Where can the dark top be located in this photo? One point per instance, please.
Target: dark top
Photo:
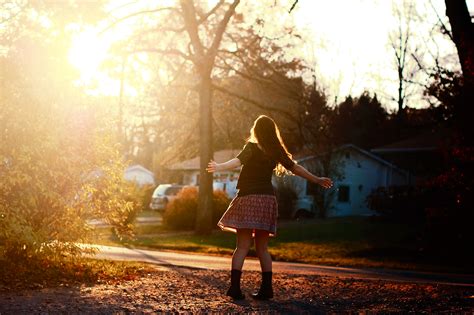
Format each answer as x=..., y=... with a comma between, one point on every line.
x=256, y=173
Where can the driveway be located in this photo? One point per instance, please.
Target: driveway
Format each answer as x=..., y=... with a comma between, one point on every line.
x=223, y=263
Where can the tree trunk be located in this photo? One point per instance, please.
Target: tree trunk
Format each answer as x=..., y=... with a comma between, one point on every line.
x=463, y=35
x=204, y=214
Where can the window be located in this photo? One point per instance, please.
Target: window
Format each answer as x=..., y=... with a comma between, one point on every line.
x=343, y=193
x=174, y=190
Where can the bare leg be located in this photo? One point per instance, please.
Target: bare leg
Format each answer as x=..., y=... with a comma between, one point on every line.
x=261, y=246
x=244, y=241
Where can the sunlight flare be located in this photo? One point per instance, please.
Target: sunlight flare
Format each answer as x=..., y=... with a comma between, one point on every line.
x=87, y=53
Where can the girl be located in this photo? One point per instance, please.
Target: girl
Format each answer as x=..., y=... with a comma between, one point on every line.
x=253, y=212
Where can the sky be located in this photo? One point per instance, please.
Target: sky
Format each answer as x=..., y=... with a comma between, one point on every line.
x=350, y=43
x=347, y=44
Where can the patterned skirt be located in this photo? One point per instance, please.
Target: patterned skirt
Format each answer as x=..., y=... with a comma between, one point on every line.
x=255, y=212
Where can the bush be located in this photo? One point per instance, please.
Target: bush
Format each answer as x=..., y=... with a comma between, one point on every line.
x=56, y=173
x=450, y=206
x=398, y=202
x=146, y=193
x=59, y=163
x=180, y=213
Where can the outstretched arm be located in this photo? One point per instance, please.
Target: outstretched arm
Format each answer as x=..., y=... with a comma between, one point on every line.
x=303, y=172
x=216, y=167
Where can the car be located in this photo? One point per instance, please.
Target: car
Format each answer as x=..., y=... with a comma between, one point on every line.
x=163, y=194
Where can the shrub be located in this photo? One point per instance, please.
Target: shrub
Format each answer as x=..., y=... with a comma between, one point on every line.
x=180, y=213
x=56, y=174
x=398, y=202
x=59, y=164
x=450, y=206
x=146, y=193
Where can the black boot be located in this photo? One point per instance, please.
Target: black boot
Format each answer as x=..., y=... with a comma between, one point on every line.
x=234, y=290
x=266, y=290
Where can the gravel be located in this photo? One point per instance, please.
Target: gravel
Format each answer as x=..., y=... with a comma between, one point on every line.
x=187, y=290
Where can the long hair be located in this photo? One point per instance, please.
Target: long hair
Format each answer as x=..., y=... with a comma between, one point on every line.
x=265, y=132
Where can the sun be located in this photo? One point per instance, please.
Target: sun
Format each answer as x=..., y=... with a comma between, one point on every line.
x=87, y=52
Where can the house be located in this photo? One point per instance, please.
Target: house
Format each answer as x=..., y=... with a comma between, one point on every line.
x=226, y=181
x=360, y=173
x=140, y=175
x=421, y=154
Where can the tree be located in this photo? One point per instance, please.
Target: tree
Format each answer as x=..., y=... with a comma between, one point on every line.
x=204, y=60
x=204, y=30
x=401, y=42
x=462, y=29
x=361, y=121
x=193, y=39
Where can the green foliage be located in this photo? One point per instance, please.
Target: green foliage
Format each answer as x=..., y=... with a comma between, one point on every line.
x=181, y=212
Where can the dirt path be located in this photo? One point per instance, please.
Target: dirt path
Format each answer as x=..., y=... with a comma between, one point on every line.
x=182, y=289
x=202, y=261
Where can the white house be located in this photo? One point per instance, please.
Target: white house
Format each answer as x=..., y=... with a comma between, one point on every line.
x=361, y=172
x=226, y=181
x=140, y=175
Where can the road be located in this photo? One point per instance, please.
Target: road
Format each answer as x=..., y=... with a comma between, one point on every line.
x=223, y=263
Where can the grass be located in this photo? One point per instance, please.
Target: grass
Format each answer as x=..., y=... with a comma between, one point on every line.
x=351, y=242
x=149, y=214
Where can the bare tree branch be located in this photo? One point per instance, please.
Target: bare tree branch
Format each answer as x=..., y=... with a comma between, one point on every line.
x=443, y=26
x=254, y=102
x=220, y=30
x=211, y=12
x=191, y=25
x=176, y=52
x=293, y=6
x=136, y=14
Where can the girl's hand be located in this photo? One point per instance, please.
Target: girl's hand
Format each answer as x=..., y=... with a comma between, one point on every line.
x=212, y=167
x=325, y=182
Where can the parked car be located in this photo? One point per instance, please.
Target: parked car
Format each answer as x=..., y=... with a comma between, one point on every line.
x=163, y=194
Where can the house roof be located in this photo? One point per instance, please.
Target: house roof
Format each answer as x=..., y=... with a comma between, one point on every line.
x=427, y=141
x=194, y=163
x=360, y=150
x=225, y=155
x=137, y=167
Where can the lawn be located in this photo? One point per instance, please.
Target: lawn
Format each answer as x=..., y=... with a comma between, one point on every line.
x=354, y=242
